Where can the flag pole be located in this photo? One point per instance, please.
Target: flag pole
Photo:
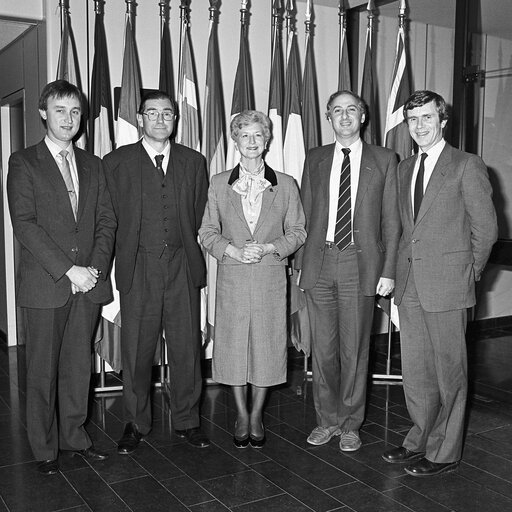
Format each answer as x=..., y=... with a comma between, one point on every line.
x=342, y=22
x=277, y=22
x=369, y=8
x=164, y=14
x=184, y=13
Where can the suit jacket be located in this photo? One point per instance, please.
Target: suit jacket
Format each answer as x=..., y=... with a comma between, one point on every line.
x=376, y=221
x=187, y=170
x=449, y=244
x=51, y=240
x=281, y=221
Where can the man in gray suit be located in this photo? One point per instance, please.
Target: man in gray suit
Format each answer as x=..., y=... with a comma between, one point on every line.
x=449, y=227
x=349, y=196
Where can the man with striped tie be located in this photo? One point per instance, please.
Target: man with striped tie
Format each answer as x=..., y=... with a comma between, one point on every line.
x=63, y=218
x=349, y=195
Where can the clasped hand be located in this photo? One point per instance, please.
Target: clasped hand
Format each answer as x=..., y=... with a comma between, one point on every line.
x=252, y=252
x=83, y=279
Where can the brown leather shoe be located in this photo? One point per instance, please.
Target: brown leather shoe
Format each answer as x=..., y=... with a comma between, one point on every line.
x=401, y=455
x=426, y=468
x=194, y=437
x=130, y=440
x=92, y=454
x=48, y=467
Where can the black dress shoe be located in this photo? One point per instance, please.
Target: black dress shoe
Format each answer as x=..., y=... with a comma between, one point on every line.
x=258, y=441
x=92, y=454
x=130, y=440
x=401, y=455
x=241, y=442
x=194, y=436
x=426, y=468
x=48, y=467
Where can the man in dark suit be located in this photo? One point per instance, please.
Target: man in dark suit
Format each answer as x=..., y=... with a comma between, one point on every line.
x=449, y=227
x=63, y=218
x=349, y=196
x=159, y=192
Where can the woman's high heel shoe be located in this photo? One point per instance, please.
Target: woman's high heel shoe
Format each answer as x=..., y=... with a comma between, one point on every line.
x=257, y=442
x=240, y=442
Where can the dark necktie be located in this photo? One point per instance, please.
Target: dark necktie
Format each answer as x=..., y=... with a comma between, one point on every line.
x=418, y=187
x=65, y=170
x=343, y=230
x=159, y=159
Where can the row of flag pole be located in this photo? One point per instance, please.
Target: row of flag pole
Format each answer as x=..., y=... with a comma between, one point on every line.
x=293, y=99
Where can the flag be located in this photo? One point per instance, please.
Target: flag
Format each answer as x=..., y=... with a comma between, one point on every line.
x=166, y=80
x=67, y=68
x=310, y=111
x=344, y=82
x=188, y=132
x=292, y=119
x=214, y=152
x=127, y=128
x=101, y=129
x=368, y=93
x=274, y=156
x=396, y=133
x=243, y=95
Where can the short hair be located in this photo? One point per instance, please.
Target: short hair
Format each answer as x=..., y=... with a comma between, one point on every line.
x=59, y=89
x=157, y=95
x=247, y=117
x=360, y=103
x=420, y=98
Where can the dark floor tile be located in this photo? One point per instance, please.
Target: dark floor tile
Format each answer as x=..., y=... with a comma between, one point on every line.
x=95, y=491
x=390, y=437
x=118, y=468
x=388, y=419
x=301, y=416
x=146, y=494
x=15, y=449
x=24, y=489
x=282, y=503
x=240, y=488
x=481, y=419
x=297, y=487
x=361, y=498
x=489, y=462
x=414, y=500
x=187, y=490
x=305, y=464
x=486, y=479
x=483, y=442
x=210, y=506
x=155, y=463
x=202, y=463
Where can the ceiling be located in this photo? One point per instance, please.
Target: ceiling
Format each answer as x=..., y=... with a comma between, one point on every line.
x=496, y=16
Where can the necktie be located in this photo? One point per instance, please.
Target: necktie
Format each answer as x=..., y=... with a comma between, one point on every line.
x=65, y=170
x=343, y=230
x=418, y=187
x=159, y=159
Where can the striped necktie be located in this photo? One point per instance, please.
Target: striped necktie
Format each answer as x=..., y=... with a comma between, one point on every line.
x=418, y=186
x=343, y=230
x=159, y=159
x=65, y=170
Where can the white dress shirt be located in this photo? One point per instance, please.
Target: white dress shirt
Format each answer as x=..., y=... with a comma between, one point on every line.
x=152, y=153
x=55, y=149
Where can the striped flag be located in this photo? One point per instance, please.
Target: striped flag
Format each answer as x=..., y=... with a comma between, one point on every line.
x=166, y=80
x=310, y=110
x=101, y=128
x=368, y=93
x=396, y=133
x=275, y=157
x=188, y=132
x=294, y=153
x=214, y=152
x=243, y=91
x=344, y=82
x=67, y=68
x=127, y=128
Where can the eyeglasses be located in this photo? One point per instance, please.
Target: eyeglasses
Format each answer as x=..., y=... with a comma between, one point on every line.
x=153, y=115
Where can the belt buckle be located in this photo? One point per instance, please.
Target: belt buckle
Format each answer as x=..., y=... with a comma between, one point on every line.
x=330, y=245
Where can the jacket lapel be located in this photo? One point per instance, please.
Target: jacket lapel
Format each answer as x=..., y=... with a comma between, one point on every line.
x=405, y=177
x=269, y=195
x=366, y=173
x=435, y=184
x=236, y=199
x=84, y=178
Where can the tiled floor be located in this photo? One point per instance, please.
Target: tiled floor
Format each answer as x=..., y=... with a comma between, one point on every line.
x=165, y=474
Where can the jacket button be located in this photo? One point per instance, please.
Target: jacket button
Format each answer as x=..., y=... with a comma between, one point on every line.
x=414, y=240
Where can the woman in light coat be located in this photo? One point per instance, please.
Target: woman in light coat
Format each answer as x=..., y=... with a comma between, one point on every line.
x=253, y=221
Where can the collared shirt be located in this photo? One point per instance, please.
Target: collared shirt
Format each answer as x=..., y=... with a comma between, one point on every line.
x=356, y=150
x=430, y=162
x=152, y=152
x=55, y=149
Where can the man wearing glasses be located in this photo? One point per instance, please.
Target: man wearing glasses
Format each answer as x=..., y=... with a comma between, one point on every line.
x=159, y=191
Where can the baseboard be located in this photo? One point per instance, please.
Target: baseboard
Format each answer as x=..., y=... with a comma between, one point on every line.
x=490, y=323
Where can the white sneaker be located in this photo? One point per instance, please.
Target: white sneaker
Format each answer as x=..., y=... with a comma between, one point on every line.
x=350, y=441
x=322, y=435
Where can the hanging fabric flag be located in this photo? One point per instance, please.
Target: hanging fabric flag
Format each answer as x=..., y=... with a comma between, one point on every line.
x=214, y=152
x=101, y=129
x=67, y=68
x=166, y=79
x=243, y=95
x=127, y=129
x=274, y=156
x=310, y=110
x=188, y=132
